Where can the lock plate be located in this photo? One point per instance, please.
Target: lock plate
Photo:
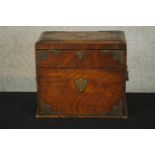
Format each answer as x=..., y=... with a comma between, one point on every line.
x=81, y=84
x=80, y=55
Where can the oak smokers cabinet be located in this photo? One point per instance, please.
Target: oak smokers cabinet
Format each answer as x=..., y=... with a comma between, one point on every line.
x=81, y=74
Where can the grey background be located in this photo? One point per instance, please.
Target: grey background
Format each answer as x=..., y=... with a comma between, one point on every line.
x=17, y=65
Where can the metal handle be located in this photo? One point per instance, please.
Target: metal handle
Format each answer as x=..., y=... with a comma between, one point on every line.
x=127, y=76
x=81, y=84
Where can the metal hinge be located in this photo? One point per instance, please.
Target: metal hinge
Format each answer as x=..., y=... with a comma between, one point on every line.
x=119, y=55
x=127, y=76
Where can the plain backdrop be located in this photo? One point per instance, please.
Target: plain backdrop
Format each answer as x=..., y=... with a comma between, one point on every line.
x=17, y=56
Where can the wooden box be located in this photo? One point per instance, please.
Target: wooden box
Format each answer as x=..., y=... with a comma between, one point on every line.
x=81, y=74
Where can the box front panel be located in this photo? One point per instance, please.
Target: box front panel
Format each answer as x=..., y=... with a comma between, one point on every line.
x=87, y=91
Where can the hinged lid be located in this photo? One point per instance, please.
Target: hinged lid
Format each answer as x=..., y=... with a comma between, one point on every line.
x=82, y=40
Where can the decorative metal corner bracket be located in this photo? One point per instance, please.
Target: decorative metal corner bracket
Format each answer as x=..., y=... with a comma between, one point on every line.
x=42, y=55
x=116, y=110
x=117, y=55
x=45, y=109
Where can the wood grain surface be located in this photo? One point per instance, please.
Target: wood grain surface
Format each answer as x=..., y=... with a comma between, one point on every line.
x=81, y=74
x=58, y=90
x=82, y=40
x=89, y=58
